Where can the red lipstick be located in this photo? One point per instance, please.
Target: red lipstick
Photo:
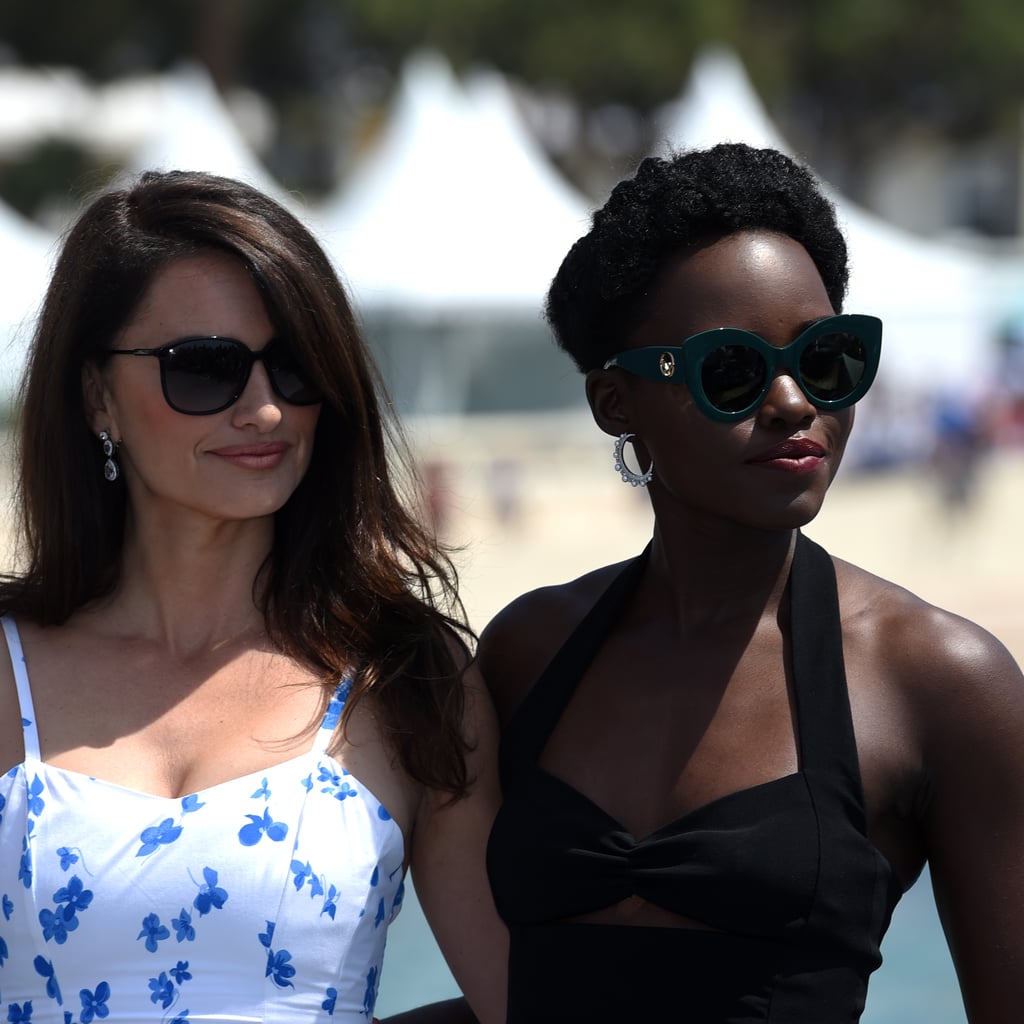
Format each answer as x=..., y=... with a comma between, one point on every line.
x=794, y=455
x=252, y=456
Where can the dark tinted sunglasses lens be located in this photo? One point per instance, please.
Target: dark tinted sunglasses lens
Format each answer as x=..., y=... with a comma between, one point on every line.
x=831, y=367
x=204, y=374
x=288, y=377
x=732, y=377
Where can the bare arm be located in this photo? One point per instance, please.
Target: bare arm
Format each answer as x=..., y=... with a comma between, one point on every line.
x=973, y=814
x=452, y=1011
x=449, y=869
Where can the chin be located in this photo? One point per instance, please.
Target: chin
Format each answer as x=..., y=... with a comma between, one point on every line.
x=793, y=516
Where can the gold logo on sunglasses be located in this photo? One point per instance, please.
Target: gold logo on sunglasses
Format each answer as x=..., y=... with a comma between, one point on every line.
x=667, y=364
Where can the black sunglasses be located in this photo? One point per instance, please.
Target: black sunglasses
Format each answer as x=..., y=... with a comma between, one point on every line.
x=729, y=371
x=201, y=376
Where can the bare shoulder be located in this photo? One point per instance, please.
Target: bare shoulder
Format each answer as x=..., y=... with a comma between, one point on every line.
x=523, y=637
x=947, y=668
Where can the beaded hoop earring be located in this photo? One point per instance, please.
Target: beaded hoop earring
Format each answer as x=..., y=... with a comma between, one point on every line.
x=628, y=476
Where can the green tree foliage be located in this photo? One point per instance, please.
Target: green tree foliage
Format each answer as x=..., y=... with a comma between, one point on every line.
x=842, y=77
x=959, y=64
x=599, y=51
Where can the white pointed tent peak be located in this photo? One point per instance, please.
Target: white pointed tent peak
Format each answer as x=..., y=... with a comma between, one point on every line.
x=455, y=209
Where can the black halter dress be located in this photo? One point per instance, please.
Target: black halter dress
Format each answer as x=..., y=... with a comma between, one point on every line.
x=793, y=897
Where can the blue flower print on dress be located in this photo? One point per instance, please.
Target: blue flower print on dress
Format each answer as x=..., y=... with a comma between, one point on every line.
x=180, y=972
x=329, y=1003
x=44, y=968
x=3, y=804
x=94, y=1004
x=370, y=998
x=35, y=798
x=279, y=970
x=18, y=1013
x=182, y=925
x=75, y=895
x=55, y=928
x=167, y=831
x=211, y=896
x=70, y=899
x=153, y=932
x=4, y=952
x=263, y=791
x=307, y=782
x=8, y=906
x=68, y=857
x=251, y=834
x=396, y=903
x=162, y=990
x=160, y=835
x=330, y=907
x=304, y=874
x=25, y=865
x=336, y=783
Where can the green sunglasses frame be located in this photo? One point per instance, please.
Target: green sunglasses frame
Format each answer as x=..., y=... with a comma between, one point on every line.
x=682, y=363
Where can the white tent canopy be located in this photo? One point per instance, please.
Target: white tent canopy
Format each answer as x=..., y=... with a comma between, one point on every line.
x=26, y=255
x=38, y=104
x=192, y=130
x=718, y=104
x=456, y=210
x=935, y=298
x=448, y=234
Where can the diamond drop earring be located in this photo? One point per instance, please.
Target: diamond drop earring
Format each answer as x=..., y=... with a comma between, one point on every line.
x=111, y=470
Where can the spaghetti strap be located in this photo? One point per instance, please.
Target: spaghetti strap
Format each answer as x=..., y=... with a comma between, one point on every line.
x=325, y=734
x=28, y=713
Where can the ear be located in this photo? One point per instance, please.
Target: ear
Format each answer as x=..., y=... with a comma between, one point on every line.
x=608, y=395
x=96, y=400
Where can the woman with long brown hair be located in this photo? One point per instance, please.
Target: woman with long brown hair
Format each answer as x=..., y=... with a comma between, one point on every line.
x=238, y=657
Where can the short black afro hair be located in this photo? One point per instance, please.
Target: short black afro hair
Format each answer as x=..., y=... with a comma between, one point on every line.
x=696, y=196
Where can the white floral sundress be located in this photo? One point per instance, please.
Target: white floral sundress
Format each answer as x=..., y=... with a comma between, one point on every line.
x=265, y=898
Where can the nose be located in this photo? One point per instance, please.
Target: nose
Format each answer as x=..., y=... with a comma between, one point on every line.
x=258, y=405
x=786, y=403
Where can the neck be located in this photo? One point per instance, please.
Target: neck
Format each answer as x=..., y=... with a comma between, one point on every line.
x=717, y=576
x=190, y=587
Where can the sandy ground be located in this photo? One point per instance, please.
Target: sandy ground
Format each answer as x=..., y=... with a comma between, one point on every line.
x=568, y=512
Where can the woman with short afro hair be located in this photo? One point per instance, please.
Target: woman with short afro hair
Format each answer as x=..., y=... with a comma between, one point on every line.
x=723, y=761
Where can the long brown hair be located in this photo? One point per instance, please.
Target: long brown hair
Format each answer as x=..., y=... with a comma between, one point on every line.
x=354, y=582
